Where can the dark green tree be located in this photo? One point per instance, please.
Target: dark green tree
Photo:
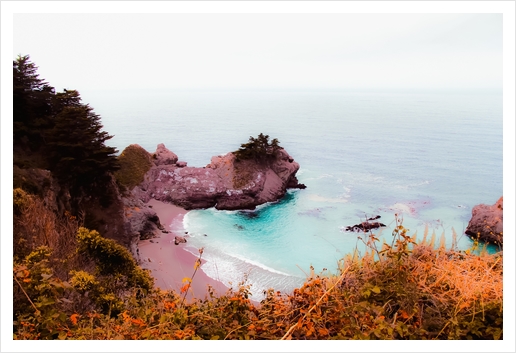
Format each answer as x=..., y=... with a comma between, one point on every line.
x=64, y=133
x=32, y=104
x=259, y=149
x=76, y=148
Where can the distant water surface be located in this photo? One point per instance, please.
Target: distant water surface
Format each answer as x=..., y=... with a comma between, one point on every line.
x=429, y=157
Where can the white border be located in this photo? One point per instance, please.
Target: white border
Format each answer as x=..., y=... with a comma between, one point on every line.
x=8, y=8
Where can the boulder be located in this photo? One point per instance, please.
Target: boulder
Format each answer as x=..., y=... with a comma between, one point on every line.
x=486, y=223
x=163, y=156
x=178, y=240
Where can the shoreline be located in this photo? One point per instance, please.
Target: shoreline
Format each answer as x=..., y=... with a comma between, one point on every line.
x=169, y=263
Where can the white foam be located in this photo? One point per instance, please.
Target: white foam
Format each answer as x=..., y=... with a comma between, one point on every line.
x=231, y=268
x=186, y=220
x=258, y=264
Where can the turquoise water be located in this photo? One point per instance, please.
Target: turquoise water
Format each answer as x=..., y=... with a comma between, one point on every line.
x=429, y=157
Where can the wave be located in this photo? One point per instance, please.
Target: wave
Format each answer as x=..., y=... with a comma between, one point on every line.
x=232, y=269
x=186, y=220
x=258, y=264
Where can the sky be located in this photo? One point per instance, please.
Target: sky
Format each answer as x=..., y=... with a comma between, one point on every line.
x=350, y=51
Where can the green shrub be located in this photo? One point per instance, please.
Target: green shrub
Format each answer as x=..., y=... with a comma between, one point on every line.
x=20, y=201
x=134, y=163
x=112, y=259
x=83, y=281
x=39, y=298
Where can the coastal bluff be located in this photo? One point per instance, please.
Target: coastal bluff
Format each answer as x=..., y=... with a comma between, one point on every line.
x=227, y=183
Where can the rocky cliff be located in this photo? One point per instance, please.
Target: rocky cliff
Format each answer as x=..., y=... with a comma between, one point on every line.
x=116, y=217
x=486, y=223
x=226, y=183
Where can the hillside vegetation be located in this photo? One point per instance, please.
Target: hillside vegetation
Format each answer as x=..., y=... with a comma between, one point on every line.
x=95, y=290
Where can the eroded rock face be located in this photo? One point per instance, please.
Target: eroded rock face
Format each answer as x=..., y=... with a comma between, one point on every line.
x=486, y=223
x=186, y=187
x=142, y=221
x=225, y=183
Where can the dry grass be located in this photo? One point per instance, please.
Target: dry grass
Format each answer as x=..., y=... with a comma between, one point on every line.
x=452, y=294
x=36, y=225
x=471, y=278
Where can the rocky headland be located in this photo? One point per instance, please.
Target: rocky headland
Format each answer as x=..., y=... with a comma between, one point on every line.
x=227, y=183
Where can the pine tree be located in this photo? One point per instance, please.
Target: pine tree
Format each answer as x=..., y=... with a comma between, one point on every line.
x=258, y=149
x=65, y=131
x=76, y=146
x=32, y=103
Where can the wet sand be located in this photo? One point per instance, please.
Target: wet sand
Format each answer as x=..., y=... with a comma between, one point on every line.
x=170, y=263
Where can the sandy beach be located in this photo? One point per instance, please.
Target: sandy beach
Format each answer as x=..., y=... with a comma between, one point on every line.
x=170, y=263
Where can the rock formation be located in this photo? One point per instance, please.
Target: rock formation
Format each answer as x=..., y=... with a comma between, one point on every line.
x=486, y=223
x=178, y=240
x=226, y=183
x=365, y=226
x=142, y=221
x=123, y=219
x=163, y=156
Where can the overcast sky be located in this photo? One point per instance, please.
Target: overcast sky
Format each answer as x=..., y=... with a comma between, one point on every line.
x=92, y=51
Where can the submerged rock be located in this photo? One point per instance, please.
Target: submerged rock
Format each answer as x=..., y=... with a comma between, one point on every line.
x=365, y=226
x=486, y=223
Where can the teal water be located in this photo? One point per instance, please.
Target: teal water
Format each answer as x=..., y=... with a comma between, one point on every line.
x=428, y=157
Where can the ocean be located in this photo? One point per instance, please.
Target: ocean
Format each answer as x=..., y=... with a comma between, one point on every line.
x=427, y=156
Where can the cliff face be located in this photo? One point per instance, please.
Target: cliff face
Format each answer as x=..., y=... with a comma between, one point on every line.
x=107, y=219
x=225, y=183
